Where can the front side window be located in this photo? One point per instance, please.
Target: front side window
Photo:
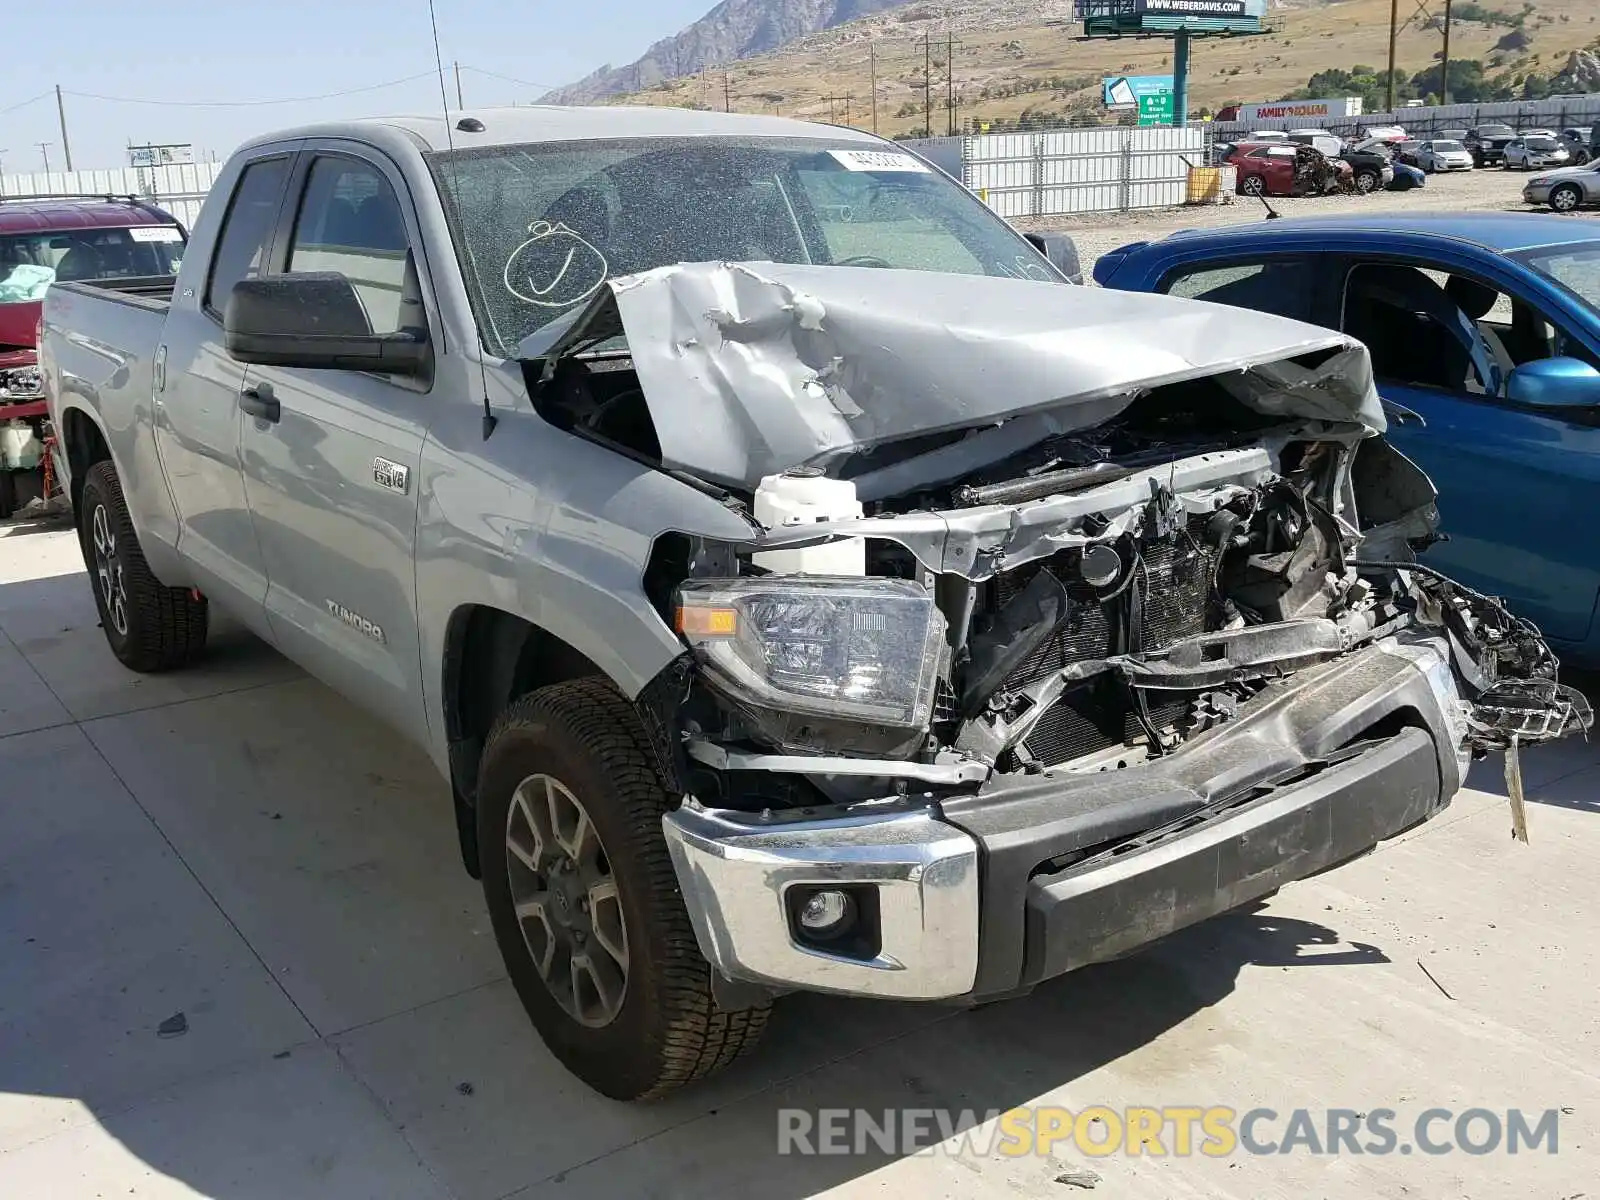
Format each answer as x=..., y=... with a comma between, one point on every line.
x=1280, y=286
x=540, y=228
x=350, y=222
x=246, y=229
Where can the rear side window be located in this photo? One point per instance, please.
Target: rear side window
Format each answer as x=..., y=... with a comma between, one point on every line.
x=246, y=229
x=1279, y=286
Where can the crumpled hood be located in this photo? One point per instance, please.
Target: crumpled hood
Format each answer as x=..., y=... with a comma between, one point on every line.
x=751, y=369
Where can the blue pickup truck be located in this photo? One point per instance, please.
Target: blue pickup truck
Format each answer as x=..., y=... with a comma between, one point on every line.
x=1485, y=339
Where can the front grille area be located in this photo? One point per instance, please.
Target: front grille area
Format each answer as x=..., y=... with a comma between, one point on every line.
x=1175, y=587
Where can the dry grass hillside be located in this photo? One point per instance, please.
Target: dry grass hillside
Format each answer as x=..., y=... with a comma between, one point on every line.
x=1017, y=55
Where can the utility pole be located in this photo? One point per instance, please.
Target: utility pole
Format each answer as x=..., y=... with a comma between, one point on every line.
x=1394, y=31
x=1444, y=67
x=727, y=94
x=460, y=103
x=872, y=51
x=927, y=85
x=61, y=111
x=949, y=83
x=44, y=149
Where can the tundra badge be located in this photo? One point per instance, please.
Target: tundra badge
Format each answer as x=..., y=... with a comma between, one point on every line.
x=357, y=622
x=391, y=475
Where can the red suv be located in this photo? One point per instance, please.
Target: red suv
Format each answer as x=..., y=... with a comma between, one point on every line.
x=114, y=241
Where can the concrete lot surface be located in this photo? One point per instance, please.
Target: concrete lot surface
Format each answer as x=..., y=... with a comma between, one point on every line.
x=240, y=846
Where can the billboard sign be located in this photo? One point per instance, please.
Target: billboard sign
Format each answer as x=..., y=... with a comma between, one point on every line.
x=1190, y=8
x=1151, y=95
x=160, y=156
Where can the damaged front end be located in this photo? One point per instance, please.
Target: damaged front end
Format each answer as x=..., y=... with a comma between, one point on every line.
x=1035, y=673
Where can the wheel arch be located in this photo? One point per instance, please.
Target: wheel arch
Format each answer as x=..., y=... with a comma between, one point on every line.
x=83, y=443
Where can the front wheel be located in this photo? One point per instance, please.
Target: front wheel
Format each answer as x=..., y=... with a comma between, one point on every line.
x=1367, y=181
x=1566, y=197
x=584, y=900
x=150, y=627
x=1252, y=185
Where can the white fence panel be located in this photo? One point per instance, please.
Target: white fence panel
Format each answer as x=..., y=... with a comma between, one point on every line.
x=179, y=190
x=1082, y=170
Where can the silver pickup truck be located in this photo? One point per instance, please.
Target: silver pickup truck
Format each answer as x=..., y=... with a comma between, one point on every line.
x=798, y=581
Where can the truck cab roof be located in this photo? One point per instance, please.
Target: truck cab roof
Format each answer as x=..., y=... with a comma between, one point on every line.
x=476, y=128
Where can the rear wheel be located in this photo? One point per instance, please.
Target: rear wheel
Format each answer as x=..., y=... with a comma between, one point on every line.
x=584, y=900
x=1367, y=180
x=149, y=626
x=1566, y=197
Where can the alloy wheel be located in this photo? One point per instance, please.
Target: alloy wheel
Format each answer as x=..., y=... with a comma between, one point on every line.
x=108, y=570
x=1564, y=199
x=566, y=900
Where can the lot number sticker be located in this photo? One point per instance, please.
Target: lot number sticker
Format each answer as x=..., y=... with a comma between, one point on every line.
x=879, y=160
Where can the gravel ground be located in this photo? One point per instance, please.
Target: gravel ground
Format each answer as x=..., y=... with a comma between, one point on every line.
x=1479, y=191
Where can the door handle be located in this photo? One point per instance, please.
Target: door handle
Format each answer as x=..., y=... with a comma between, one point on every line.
x=260, y=403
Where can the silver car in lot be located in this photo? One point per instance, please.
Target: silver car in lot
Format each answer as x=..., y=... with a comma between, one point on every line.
x=1566, y=189
x=1443, y=154
x=1532, y=151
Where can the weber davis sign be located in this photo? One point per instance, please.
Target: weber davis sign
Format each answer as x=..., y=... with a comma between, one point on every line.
x=1191, y=8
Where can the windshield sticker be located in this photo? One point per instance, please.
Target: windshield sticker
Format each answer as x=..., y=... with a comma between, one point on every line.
x=555, y=267
x=879, y=160
x=155, y=233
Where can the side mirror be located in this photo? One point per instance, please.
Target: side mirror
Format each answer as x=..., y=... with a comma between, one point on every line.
x=1061, y=251
x=1555, y=383
x=315, y=320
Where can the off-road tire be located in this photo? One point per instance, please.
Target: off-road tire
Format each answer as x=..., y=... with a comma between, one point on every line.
x=164, y=628
x=668, y=1031
x=1566, y=189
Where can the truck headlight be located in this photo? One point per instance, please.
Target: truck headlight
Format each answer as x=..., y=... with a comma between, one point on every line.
x=843, y=665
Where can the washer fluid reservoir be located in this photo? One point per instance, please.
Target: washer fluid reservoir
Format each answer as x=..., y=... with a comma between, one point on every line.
x=804, y=496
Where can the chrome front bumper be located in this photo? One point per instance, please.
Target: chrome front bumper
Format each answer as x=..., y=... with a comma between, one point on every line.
x=735, y=870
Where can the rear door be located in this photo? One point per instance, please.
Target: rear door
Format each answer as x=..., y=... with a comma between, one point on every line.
x=197, y=396
x=332, y=481
x=1518, y=487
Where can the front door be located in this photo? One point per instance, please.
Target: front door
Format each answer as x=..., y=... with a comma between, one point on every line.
x=1518, y=486
x=332, y=479
x=197, y=399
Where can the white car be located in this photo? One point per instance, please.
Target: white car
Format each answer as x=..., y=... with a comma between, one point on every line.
x=1319, y=139
x=1443, y=154
x=1566, y=189
x=1533, y=151
x=1266, y=135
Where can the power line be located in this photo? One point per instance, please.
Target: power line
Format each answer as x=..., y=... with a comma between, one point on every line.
x=25, y=103
x=549, y=87
x=245, y=103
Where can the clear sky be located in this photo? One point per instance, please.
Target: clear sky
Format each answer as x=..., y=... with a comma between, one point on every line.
x=189, y=54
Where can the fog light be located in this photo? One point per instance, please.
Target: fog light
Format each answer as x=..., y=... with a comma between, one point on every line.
x=827, y=914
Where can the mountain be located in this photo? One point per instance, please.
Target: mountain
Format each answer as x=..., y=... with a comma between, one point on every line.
x=732, y=30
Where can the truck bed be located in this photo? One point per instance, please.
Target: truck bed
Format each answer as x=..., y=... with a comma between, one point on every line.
x=151, y=292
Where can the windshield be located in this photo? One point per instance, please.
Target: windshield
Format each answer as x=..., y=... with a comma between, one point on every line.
x=1543, y=143
x=1575, y=266
x=540, y=228
x=31, y=262
x=1449, y=147
x=1495, y=131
